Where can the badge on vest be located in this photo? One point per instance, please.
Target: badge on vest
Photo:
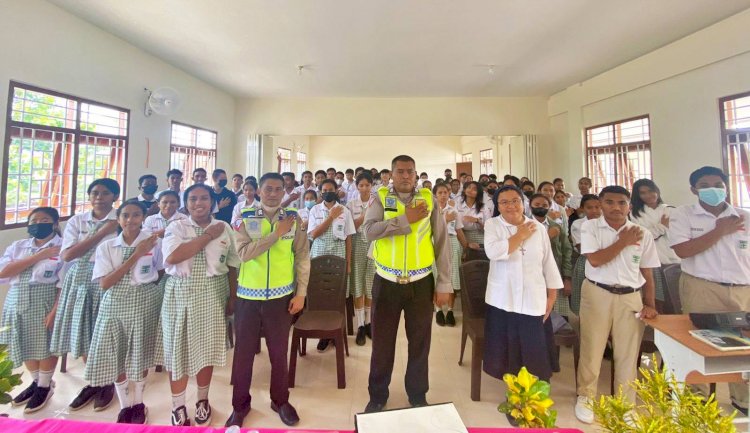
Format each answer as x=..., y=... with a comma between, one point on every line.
x=253, y=227
x=390, y=204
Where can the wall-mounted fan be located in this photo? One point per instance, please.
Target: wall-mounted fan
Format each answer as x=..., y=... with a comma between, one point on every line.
x=163, y=101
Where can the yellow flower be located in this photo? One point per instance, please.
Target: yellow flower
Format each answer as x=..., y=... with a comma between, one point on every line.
x=541, y=405
x=526, y=379
x=528, y=414
x=510, y=380
x=514, y=399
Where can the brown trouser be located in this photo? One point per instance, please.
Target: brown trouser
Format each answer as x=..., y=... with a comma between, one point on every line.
x=604, y=313
x=701, y=296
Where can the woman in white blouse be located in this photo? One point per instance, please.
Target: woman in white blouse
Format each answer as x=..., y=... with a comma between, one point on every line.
x=474, y=213
x=521, y=289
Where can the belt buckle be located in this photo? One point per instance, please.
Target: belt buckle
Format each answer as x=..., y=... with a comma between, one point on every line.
x=402, y=280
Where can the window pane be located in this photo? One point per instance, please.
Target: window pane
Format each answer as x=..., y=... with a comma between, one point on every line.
x=601, y=136
x=286, y=159
x=98, y=157
x=183, y=135
x=43, y=109
x=737, y=113
x=192, y=148
x=301, y=163
x=103, y=120
x=619, y=153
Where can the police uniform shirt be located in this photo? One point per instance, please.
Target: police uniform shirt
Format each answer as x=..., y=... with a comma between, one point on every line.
x=44, y=271
x=221, y=253
x=110, y=256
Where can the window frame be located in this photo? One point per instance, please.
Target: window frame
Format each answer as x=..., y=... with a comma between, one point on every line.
x=466, y=157
x=187, y=177
x=281, y=163
x=483, y=162
x=614, y=148
x=298, y=161
x=725, y=147
x=77, y=133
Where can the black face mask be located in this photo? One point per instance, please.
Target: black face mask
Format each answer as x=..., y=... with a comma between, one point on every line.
x=491, y=192
x=40, y=231
x=223, y=183
x=150, y=189
x=528, y=193
x=539, y=211
x=330, y=196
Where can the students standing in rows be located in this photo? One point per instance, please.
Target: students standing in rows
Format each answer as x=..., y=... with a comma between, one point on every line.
x=713, y=239
x=457, y=239
x=225, y=199
x=291, y=193
x=78, y=304
x=272, y=286
x=619, y=282
x=584, y=188
x=123, y=346
x=147, y=184
x=330, y=227
x=174, y=182
x=363, y=267
x=31, y=266
x=474, y=212
x=201, y=259
x=349, y=187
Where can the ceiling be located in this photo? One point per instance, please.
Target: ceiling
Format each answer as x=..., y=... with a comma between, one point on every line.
x=397, y=48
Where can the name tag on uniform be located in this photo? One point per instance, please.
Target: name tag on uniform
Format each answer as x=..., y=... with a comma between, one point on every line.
x=390, y=204
x=338, y=228
x=145, y=269
x=636, y=259
x=48, y=274
x=742, y=244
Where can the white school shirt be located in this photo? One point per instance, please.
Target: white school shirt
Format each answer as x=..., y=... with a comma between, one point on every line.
x=220, y=252
x=110, y=256
x=456, y=197
x=651, y=220
x=301, y=190
x=351, y=190
x=357, y=207
x=517, y=282
x=464, y=210
x=563, y=220
x=342, y=227
x=43, y=272
x=625, y=269
x=575, y=230
x=156, y=222
x=456, y=223
x=575, y=201
x=237, y=211
x=728, y=260
x=80, y=227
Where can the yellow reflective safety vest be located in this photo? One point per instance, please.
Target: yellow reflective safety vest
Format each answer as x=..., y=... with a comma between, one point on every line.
x=405, y=258
x=271, y=274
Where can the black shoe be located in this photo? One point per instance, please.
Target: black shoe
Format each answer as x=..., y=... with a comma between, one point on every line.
x=373, y=407
x=124, y=416
x=25, y=395
x=440, y=318
x=39, y=399
x=418, y=402
x=742, y=410
x=286, y=412
x=449, y=319
x=361, y=337
x=324, y=344
x=104, y=397
x=236, y=418
x=180, y=417
x=84, y=397
x=202, y=413
x=368, y=331
x=139, y=414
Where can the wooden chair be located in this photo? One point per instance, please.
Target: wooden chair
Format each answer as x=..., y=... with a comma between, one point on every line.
x=473, y=287
x=324, y=315
x=64, y=363
x=569, y=337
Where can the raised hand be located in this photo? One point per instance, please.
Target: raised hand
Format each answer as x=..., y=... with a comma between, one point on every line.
x=284, y=226
x=146, y=245
x=214, y=230
x=336, y=212
x=416, y=213
x=730, y=224
x=526, y=230
x=631, y=235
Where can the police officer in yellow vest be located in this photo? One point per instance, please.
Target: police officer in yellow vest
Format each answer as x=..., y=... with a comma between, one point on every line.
x=408, y=235
x=272, y=286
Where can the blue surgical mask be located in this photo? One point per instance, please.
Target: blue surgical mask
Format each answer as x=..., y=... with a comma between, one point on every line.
x=712, y=196
x=309, y=204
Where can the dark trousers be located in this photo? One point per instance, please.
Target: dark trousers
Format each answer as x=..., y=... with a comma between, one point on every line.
x=252, y=319
x=388, y=300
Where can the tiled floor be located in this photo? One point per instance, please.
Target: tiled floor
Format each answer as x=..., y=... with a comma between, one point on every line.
x=321, y=405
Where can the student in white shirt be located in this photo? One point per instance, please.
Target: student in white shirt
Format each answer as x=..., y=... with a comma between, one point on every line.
x=174, y=182
x=349, y=187
x=309, y=200
x=713, y=239
x=31, y=267
x=455, y=191
x=592, y=209
x=291, y=194
x=249, y=189
x=169, y=202
x=457, y=239
x=474, y=213
x=522, y=287
x=363, y=267
x=331, y=227
x=127, y=269
x=201, y=259
x=237, y=181
x=616, y=296
x=78, y=303
x=584, y=188
x=307, y=185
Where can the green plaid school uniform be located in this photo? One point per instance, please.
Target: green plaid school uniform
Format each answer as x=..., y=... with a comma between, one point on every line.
x=124, y=339
x=474, y=236
x=328, y=244
x=579, y=274
x=26, y=307
x=193, y=320
x=78, y=306
x=363, y=267
x=660, y=283
x=456, y=254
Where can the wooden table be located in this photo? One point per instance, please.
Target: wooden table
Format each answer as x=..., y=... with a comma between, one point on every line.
x=690, y=360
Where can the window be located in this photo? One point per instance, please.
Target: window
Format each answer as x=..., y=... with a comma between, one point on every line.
x=55, y=145
x=735, y=131
x=486, y=165
x=192, y=147
x=618, y=153
x=301, y=163
x=286, y=159
x=466, y=157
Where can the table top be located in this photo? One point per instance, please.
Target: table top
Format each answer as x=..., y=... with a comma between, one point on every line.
x=677, y=326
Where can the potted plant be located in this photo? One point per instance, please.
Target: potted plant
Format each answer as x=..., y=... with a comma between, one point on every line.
x=527, y=401
x=666, y=406
x=8, y=380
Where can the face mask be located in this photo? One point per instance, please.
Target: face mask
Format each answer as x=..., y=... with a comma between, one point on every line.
x=309, y=204
x=712, y=196
x=330, y=196
x=40, y=231
x=491, y=192
x=223, y=183
x=150, y=189
x=339, y=182
x=528, y=193
x=539, y=211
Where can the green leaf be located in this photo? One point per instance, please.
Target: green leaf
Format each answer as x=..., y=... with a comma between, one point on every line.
x=539, y=390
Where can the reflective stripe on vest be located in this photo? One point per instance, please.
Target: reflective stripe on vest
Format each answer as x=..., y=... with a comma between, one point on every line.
x=271, y=274
x=404, y=255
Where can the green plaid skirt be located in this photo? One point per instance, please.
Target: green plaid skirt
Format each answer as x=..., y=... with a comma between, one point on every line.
x=456, y=253
x=328, y=244
x=474, y=236
x=363, y=268
x=26, y=307
x=579, y=274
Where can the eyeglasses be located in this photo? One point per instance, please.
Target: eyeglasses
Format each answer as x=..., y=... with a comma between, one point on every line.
x=506, y=203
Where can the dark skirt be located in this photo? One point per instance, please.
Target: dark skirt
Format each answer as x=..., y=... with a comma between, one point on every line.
x=512, y=341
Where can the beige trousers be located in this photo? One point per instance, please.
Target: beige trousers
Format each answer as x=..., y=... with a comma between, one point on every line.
x=604, y=313
x=701, y=296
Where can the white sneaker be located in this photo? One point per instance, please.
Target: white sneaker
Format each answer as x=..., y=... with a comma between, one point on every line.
x=583, y=412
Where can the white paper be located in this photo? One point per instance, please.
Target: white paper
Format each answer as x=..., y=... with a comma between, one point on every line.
x=439, y=418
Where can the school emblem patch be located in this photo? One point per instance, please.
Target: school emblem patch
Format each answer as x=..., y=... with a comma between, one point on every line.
x=145, y=269
x=48, y=274
x=636, y=259
x=742, y=244
x=390, y=202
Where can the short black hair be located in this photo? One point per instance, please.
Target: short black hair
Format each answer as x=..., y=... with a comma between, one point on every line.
x=199, y=169
x=402, y=158
x=365, y=175
x=614, y=189
x=456, y=180
x=131, y=202
x=330, y=169
x=310, y=191
x=440, y=185
x=447, y=169
x=50, y=211
x=587, y=197
x=174, y=171
x=323, y=172
x=236, y=175
x=557, y=179
x=288, y=173
x=424, y=173
x=528, y=183
x=271, y=176
x=106, y=182
x=145, y=177
x=331, y=181
x=217, y=172
x=252, y=183
x=198, y=186
x=349, y=170
x=306, y=172
x=537, y=195
x=167, y=192
x=707, y=171
x=543, y=184
x=385, y=170
x=340, y=172
x=514, y=179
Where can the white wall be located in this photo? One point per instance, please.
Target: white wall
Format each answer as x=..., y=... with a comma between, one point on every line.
x=50, y=48
x=678, y=85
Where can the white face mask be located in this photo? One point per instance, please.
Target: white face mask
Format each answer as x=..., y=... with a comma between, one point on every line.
x=339, y=182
